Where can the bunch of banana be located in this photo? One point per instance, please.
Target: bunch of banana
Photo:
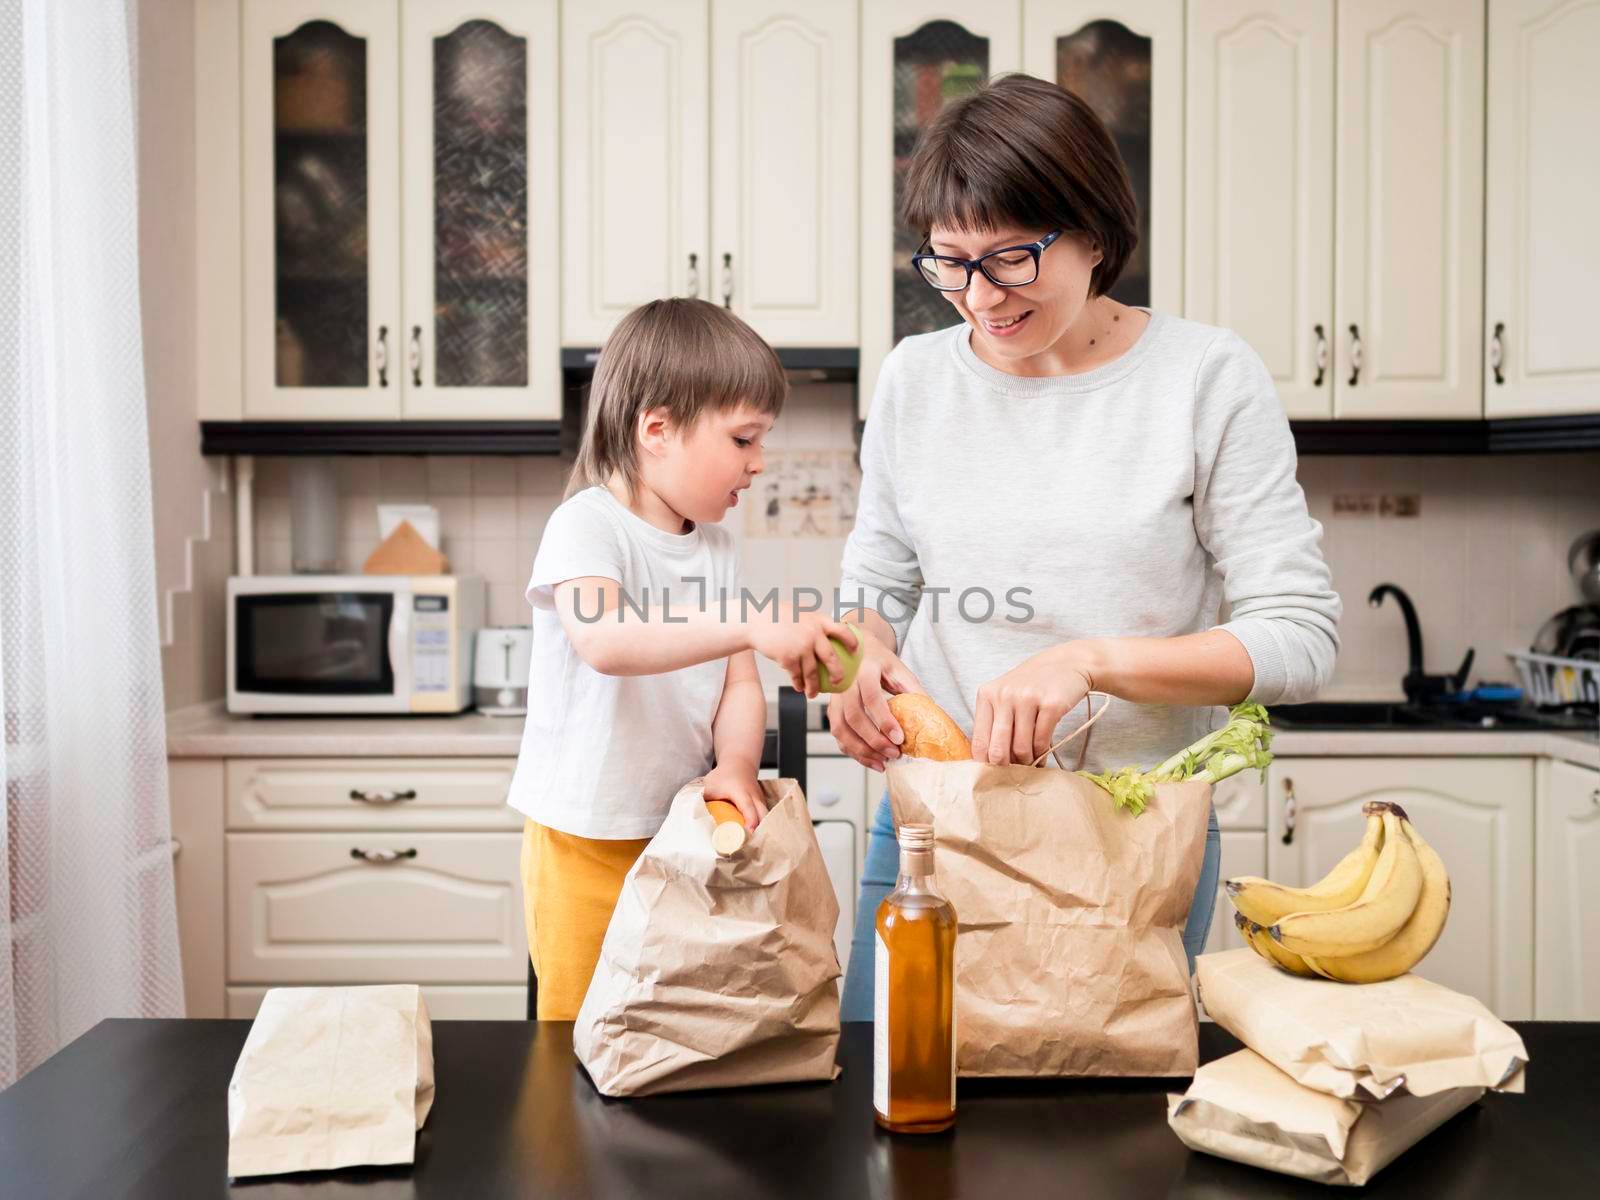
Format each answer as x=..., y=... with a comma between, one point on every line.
x=1373, y=917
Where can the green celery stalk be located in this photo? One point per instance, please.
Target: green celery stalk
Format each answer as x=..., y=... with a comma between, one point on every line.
x=1239, y=745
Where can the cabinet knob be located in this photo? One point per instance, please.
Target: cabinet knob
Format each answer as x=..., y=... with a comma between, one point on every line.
x=1321, y=358
x=694, y=274
x=828, y=797
x=727, y=281
x=382, y=356
x=1497, y=351
x=1594, y=797
x=389, y=797
x=416, y=356
x=1355, y=354
x=382, y=856
x=1291, y=808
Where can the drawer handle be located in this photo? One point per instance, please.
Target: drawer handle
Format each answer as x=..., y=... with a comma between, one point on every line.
x=382, y=856
x=1291, y=809
x=393, y=797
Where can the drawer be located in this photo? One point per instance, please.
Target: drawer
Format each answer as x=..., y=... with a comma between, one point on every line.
x=467, y=1003
x=302, y=908
x=1241, y=801
x=371, y=793
x=836, y=789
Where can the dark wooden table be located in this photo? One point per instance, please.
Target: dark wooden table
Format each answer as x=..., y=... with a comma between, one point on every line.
x=139, y=1109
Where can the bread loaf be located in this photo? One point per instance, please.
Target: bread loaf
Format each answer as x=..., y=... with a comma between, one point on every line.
x=930, y=733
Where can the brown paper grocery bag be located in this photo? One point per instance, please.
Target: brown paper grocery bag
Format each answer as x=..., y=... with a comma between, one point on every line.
x=1243, y=1108
x=717, y=972
x=1070, y=912
x=331, y=1077
x=1363, y=1040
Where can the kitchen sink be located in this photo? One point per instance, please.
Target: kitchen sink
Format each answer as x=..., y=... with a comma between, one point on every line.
x=1355, y=714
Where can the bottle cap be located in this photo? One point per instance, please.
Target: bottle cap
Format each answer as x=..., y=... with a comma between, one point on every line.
x=916, y=837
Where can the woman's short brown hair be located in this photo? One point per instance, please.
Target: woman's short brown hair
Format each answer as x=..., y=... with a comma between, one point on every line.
x=687, y=356
x=1021, y=151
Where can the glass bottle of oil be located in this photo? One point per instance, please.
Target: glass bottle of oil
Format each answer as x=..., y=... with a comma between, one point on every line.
x=914, y=1052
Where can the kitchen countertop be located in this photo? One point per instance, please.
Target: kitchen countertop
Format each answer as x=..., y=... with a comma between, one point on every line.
x=211, y=733
x=139, y=1109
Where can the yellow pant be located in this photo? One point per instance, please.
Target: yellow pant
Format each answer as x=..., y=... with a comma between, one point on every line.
x=570, y=885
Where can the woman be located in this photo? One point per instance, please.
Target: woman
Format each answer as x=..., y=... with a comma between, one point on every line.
x=1059, y=492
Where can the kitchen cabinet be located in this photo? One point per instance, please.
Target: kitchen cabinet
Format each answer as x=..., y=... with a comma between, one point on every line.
x=709, y=151
x=194, y=790
x=1260, y=239
x=1541, y=356
x=1478, y=813
x=916, y=56
x=1335, y=182
x=1567, y=983
x=1129, y=68
x=398, y=210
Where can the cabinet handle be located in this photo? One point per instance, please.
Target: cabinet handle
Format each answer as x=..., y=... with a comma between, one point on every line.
x=1291, y=807
x=694, y=274
x=1322, y=354
x=383, y=356
x=1497, y=351
x=382, y=856
x=416, y=356
x=727, y=281
x=1594, y=797
x=1355, y=354
x=391, y=797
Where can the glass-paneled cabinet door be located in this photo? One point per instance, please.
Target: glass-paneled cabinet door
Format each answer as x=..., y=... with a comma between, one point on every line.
x=321, y=209
x=916, y=56
x=479, y=85
x=1126, y=61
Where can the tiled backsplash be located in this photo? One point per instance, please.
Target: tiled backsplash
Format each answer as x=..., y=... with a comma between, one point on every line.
x=1485, y=559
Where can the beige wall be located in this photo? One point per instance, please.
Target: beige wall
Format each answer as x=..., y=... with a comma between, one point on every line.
x=189, y=566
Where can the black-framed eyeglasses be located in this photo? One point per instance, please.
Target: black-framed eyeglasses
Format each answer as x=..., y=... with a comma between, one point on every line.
x=1010, y=266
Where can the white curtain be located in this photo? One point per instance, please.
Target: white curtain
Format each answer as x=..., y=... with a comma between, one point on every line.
x=88, y=926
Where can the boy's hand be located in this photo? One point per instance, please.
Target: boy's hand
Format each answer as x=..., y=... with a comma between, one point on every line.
x=796, y=641
x=736, y=783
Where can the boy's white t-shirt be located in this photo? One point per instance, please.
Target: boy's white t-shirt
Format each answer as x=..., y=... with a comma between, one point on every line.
x=603, y=755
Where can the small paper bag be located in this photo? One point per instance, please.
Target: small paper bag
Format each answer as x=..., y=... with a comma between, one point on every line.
x=717, y=972
x=1243, y=1108
x=331, y=1077
x=1361, y=1040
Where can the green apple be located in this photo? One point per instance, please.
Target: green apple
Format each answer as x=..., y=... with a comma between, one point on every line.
x=851, y=660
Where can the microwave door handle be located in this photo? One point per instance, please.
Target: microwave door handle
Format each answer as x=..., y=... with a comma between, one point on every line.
x=399, y=649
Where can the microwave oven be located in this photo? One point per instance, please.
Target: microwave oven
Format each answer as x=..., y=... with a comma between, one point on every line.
x=351, y=643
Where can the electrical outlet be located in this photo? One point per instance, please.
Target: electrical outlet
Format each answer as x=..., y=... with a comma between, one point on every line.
x=1354, y=505
x=1407, y=504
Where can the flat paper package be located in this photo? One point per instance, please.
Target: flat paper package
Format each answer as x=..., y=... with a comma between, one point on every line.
x=717, y=972
x=1070, y=912
x=1243, y=1108
x=1361, y=1041
x=331, y=1077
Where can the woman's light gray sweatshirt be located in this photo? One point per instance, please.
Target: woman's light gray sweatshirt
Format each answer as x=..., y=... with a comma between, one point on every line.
x=1127, y=501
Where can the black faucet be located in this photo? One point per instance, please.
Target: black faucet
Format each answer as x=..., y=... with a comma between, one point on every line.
x=1419, y=686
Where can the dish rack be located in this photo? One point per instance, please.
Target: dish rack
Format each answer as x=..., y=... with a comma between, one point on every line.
x=1552, y=682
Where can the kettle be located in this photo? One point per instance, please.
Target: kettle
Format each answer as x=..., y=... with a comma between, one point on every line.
x=500, y=670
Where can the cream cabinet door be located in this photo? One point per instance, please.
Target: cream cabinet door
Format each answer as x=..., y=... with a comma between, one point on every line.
x=784, y=198
x=1542, y=238
x=1408, y=266
x=368, y=907
x=1476, y=812
x=481, y=242
x=1242, y=854
x=321, y=197
x=1259, y=245
x=1567, y=987
x=915, y=56
x=635, y=171
x=1127, y=63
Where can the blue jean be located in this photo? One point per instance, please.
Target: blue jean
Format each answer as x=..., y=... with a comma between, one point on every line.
x=877, y=880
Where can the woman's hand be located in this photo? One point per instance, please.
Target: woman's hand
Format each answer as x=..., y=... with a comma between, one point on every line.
x=798, y=641
x=736, y=783
x=1018, y=712
x=859, y=716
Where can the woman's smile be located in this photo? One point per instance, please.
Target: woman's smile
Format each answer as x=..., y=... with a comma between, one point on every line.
x=1005, y=327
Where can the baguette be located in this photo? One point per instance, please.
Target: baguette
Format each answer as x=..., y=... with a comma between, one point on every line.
x=930, y=733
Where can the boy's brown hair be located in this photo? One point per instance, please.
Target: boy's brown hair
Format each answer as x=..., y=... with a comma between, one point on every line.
x=1021, y=151
x=687, y=356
